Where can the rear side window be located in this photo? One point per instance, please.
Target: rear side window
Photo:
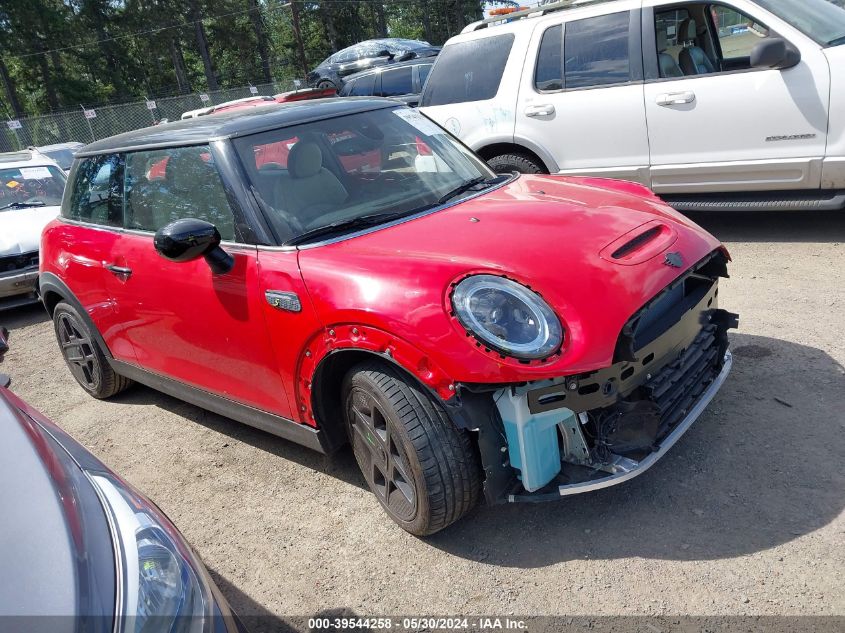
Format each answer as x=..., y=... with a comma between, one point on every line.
x=363, y=86
x=190, y=188
x=596, y=51
x=468, y=71
x=97, y=195
x=397, y=82
x=549, y=73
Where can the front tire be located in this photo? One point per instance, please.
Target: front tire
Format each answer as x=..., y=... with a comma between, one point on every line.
x=423, y=469
x=509, y=163
x=86, y=361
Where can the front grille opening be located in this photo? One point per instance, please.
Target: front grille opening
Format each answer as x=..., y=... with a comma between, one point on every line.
x=588, y=389
x=627, y=373
x=11, y=263
x=637, y=242
x=551, y=398
x=648, y=359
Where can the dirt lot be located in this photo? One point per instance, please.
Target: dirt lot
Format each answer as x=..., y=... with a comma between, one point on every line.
x=743, y=516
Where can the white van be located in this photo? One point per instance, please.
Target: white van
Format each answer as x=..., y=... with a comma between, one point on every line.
x=714, y=105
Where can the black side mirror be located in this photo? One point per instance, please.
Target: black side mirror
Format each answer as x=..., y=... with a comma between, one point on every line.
x=189, y=239
x=775, y=52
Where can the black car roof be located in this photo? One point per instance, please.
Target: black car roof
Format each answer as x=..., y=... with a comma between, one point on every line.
x=233, y=123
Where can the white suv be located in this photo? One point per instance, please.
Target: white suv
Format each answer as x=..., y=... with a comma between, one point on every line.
x=31, y=188
x=714, y=105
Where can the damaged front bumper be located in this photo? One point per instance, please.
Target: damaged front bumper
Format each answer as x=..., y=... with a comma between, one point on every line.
x=625, y=468
x=577, y=433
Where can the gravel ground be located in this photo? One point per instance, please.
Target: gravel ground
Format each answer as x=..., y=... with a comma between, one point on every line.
x=744, y=516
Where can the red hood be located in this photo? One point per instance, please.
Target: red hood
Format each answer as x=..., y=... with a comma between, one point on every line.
x=548, y=232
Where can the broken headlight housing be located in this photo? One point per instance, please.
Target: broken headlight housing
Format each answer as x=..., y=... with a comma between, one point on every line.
x=507, y=317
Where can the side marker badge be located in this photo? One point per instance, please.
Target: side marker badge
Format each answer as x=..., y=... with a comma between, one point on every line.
x=288, y=301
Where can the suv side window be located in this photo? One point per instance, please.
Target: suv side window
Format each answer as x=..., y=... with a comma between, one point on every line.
x=468, y=71
x=738, y=34
x=548, y=74
x=97, y=195
x=191, y=188
x=596, y=51
x=397, y=81
x=363, y=86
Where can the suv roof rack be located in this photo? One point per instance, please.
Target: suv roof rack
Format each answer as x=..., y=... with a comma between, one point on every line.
x=538, y=10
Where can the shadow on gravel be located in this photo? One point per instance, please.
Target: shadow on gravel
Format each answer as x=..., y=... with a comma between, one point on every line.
x=759, y=469
x=342, y=466
x=781, y=226
x=23, y=316
x=258, y=619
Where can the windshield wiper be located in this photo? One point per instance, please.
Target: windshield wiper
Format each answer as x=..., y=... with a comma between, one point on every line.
x=23, y=205
x=837, y=41
x=464, y=186
x=351, y=224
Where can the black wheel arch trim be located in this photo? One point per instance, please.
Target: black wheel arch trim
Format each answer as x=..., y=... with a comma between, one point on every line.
x=472, y=411
x=49, y=283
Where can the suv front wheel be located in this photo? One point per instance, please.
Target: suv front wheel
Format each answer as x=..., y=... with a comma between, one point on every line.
x=509, y=163
x=420, y=466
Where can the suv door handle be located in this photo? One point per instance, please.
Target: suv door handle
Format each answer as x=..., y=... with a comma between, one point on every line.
x=675, y=98
x=120, y=271
x=547, y=109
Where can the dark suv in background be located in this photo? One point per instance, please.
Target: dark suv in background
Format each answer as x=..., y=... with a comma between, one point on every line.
x=331, y=73
x=403, y=81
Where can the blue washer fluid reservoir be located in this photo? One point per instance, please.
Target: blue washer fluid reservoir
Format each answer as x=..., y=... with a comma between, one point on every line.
x=532, y=438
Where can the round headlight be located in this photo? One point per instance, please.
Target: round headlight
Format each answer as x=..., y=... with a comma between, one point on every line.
x=507, y=317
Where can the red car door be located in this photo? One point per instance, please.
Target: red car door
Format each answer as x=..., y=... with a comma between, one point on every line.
x=184, y=321
x=82, y=252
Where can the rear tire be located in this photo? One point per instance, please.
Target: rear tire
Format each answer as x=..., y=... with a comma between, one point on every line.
x=325, y=84
x=86, y=361
x=509, y=163
x=423, y=469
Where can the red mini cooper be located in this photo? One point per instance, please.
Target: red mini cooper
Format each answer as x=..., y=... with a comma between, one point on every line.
x=512, y=337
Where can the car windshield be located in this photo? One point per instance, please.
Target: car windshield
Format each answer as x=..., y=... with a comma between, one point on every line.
x=822, y=20
x=34, y=186
x=362, y=169
x=64, y=157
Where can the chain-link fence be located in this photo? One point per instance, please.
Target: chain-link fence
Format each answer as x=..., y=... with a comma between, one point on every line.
x=92, y=123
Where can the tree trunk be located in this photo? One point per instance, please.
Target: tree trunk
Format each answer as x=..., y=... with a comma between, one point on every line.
x=11, y=92
x=261, y=38
x=46, y=76
x=179, y=66
x=202, y=45
x=297, y=33
x=426, y=18
x=381, y=20
x=327, y=12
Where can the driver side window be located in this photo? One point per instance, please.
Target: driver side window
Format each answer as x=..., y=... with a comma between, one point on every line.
x=704, y=39
x=166, y=185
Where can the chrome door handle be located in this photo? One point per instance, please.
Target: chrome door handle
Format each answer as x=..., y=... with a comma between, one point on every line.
x=546, y=109
x=675, y=98
x=120, y=271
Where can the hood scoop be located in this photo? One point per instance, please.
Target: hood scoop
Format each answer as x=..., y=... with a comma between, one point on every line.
x=640, y=244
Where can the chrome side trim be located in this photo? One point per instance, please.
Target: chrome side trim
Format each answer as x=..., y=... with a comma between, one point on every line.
x=629, y=469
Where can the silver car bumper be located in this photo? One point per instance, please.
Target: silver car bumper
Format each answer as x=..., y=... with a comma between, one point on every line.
x=18, y=287
x=627, y=468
